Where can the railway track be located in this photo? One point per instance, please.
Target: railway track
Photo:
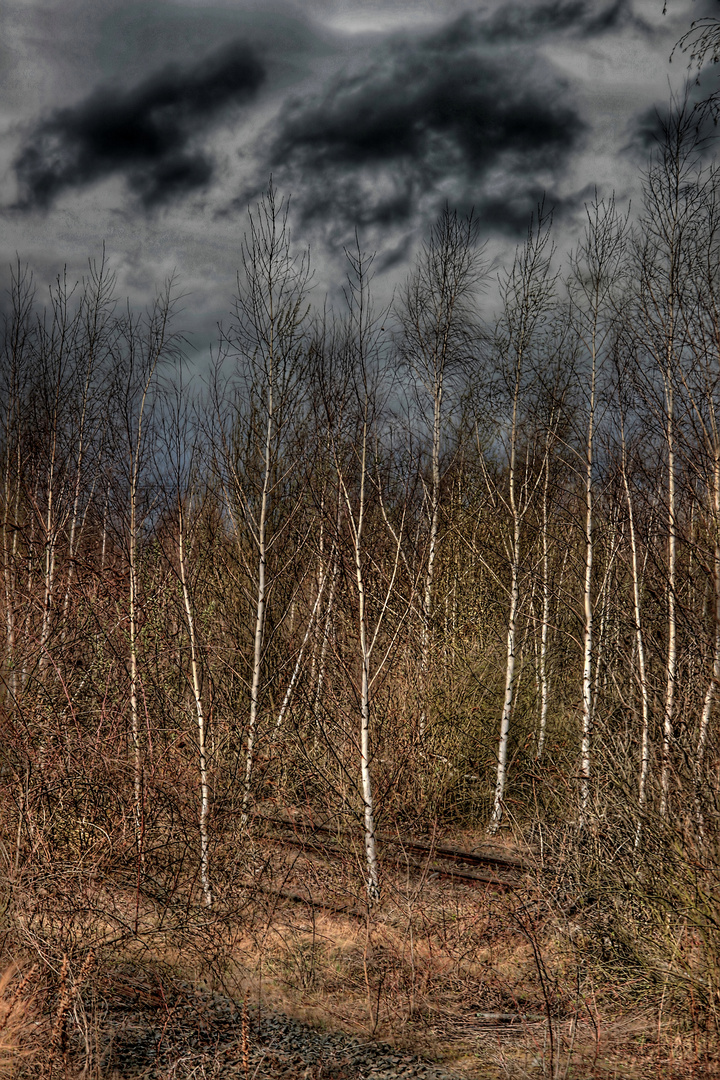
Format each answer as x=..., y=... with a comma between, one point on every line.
x=472, y=868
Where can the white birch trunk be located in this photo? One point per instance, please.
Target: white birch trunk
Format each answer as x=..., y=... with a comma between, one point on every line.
x=669, y=715
x=49, y=555
x=545, y=616
x=329, y=614
x=10, y=541
x=270, y=309
x=136, y=451
x=199, y=714
x=715, y=675
x=597, y=266
x=134, y=714
x=603, y=598
x=22, y=298
x=499, y=795
x=587, y=699
x=432, y=548
x=301, y=652
x=528, y=290
x=497, y=811
x=259, y=636
x=640, y=648
x=373, y=881
x=74, y=514
x=357, y=389
x=325, y=641
x=30, y=579
x=436, y=313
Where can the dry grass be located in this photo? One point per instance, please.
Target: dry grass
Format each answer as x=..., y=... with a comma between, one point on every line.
x=490, y=983
x=440, y=969
x=18, y=1024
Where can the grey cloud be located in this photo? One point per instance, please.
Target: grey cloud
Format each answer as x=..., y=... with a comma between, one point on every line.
x=442, y=111
x=582, y=18
x=646, y=129
x=510, y=212
x=147, y=134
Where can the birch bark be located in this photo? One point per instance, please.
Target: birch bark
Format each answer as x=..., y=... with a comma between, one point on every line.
x=196, y=682
x=437, y=317
x=596, y=271
x=16, y=346
x=146, y=348
x=639, y=638
x=527, y=296
x=262, y=408
x=350, y=379
x=545, y=615
x=672, y=199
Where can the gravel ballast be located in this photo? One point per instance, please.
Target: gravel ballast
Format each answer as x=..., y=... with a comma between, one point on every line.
x=204, y=1039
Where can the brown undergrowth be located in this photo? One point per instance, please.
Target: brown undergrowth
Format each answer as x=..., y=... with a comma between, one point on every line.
x=545, y=980
x=489, y=983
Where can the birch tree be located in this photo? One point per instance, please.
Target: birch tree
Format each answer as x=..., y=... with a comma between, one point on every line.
x=670, y=214
x=527, y=292
x=352, y=394
x=437, y=315
x=182, y=465
x=145, y=344
x=553, y=410
x=58, y=342
x=596, y=267
x=17, y=335
x=624, y=401
x=699, y=374
x=57, y=364
x=261, y=408
x=98, y=349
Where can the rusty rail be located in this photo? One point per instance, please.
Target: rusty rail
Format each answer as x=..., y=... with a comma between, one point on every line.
x=477, y=867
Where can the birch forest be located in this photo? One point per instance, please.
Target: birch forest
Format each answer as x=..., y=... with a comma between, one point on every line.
x=448, y=564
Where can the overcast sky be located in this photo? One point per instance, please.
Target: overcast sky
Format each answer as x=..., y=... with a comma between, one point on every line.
x=151, y=125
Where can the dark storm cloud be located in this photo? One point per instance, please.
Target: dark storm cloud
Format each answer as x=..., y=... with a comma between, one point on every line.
x=582, y=18
x=444, y=110
x=147, y=134
x=647, y=128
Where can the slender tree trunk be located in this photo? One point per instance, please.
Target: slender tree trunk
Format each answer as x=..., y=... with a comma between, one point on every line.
x=22, y=296
x=156, y=343
x=133, y=635
x=432, y=549
x=545, y=616
x=49, y=554
x=587, y=700
x=597, y=267
x=268, y=336
x=497, y=811
x=669, y=717
x=528, y=291
x=373, y=882
x=74, y=514
x=714, y=680
x=199, y=713
x=640, y=648
x=436, y=313
x=501, y=778
x=30, y=579
x=312, y=621
x=325, y=641
x=319, y=667
x=603, y=599
x=10, y=532
x=259, y=636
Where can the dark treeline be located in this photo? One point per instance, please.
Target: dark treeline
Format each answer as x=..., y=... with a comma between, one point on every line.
x=403, y=565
